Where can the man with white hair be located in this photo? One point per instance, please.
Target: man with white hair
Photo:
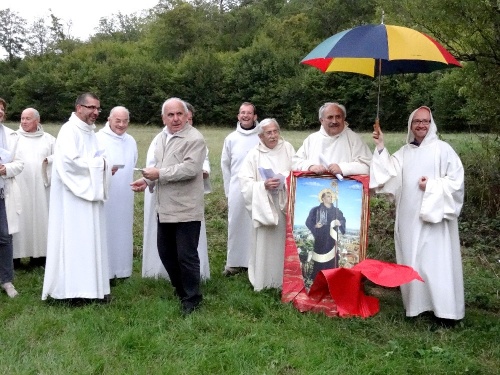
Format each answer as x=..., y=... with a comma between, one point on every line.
x=265, y=199
x=35, y=148
x=121, y=152
x=426, y=178
x=151, y=264
x=335, y=148
x=177, y=175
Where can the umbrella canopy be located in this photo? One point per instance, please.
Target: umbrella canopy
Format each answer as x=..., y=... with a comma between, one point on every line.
x=376, y=50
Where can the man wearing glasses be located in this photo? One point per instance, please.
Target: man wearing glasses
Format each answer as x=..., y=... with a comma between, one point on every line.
x=77, y=256
x=426, y=178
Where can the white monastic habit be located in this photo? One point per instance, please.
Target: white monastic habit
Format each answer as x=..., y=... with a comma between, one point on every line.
x=268, y=212
x=121, y=150
x=151, y=263
x=426, y=227
x=77, y=256
x=346, y=149
x=14, y=165
x=34, y=182
x=239, y=224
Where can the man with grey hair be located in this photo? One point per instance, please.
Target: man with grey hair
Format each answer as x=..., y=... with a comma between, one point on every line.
x=178, y=179
x=265, y=199
x=77, y=251
x=335, y=148
x=121, y=151
x=35, y=148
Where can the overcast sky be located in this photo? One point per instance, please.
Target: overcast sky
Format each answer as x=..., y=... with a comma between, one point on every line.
x=85, y=14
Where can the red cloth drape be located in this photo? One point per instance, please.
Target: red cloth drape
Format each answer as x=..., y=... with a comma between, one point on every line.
x=338, y=291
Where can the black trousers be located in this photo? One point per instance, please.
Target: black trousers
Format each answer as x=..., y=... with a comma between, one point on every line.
x=6, y=251
x=178, y=250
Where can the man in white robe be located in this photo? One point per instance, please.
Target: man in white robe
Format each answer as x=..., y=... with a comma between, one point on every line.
x=151, y=263
x=35, y=148
x=121, y=152
x=426, y=178
x=334, y=148
x=265, y=199
x=239, y=224
x=10, y=201
x=77, y=255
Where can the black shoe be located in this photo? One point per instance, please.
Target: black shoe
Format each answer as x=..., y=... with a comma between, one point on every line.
x=38, y=262
x=188, y=308
x=17, y=263
x=446, y=323
x=107, y=299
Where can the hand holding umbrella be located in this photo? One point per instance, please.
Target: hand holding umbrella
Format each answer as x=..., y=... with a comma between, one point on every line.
x=378, y=137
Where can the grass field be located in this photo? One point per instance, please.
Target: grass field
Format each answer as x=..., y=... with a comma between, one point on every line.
x=238, y=331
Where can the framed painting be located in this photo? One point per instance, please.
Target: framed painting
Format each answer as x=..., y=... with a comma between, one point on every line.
x=329, y=221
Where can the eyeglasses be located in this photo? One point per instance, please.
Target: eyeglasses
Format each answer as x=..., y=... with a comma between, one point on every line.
x=421, y=122
x=92, y=107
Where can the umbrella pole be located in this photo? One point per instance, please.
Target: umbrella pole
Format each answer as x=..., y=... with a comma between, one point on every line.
x=377, y=126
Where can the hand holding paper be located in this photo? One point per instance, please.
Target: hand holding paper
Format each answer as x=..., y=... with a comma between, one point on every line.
x=267, y=173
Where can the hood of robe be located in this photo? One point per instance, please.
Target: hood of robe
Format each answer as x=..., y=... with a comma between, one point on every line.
x=263, y=148
x=247, y=131
x=431, y=135
x=38, y=133
x=81, y=124
x=107, y=130
x=323, y=132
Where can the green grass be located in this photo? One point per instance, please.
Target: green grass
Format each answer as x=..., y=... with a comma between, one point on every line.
x=238, y=331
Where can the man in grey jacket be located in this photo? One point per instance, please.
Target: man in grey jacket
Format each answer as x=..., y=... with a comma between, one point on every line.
x=178, y=176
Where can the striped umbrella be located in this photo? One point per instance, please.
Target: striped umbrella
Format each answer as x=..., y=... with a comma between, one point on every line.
x=376, y=50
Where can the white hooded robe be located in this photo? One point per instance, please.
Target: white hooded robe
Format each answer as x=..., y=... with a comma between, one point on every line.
x=34, y=183
x=77, y=256
x=267, y=210
x=426, y=227
x=151, y=263
x=119, y=208
x=239, y=224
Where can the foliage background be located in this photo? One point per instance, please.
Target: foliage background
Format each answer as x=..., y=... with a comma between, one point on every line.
x=216, y=54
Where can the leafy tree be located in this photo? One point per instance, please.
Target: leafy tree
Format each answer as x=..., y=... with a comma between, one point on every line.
x=470, y=30
x=177, y=30
x=12, y=33
x=38, y=37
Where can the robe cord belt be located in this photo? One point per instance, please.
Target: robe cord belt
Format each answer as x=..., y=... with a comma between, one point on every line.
x=323, y=258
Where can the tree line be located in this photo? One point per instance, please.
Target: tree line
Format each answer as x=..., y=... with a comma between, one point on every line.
x=217, y=53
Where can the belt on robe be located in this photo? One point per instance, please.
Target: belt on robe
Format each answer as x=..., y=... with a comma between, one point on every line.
x=323, y=258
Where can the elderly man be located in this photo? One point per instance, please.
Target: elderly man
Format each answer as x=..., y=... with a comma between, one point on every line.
x=77, y=255
x=121, y=152
x=265, y=199
x=235, y=149
x=35, y=148
x=151, y=264
x=334, y=148
x=178, y=178
x=426, y=177
x=10, y=200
